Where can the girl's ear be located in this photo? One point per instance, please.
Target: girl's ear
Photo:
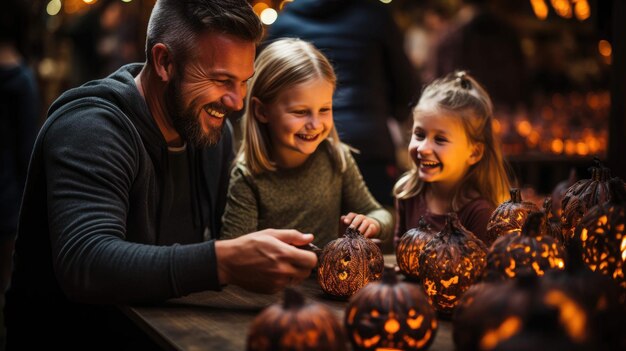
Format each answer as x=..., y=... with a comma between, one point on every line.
x=162, y=62
x=478, y=149
x=259, y=110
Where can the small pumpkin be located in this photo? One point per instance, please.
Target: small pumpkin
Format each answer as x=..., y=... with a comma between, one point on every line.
x=582, y=196
x=500, y=315
x=559, y=191
x=602, y=236
x=348, y=263
x=509, y=216
x=530, y=248
x=390, y=315
x=451, y=262
x=410, y=247
x=551, y=225
x=296, y=325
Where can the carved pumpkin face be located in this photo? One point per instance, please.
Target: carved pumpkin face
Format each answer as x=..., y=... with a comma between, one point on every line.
x=296, y=325
x=450, y=263
x=509, y=216
x=602, y=237
x=582, y=196
x=390, y=315
x=531, y=248
x=410, y=247
x=494, y=316
x=349, y=263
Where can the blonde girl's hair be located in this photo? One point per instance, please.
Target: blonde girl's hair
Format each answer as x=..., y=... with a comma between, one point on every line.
x=458, y=94
x=281, y=65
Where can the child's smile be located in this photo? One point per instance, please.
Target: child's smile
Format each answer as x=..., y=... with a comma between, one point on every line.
x=299, y=120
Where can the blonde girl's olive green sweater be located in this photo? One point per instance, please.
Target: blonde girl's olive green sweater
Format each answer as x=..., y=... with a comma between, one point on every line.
x=310, y=198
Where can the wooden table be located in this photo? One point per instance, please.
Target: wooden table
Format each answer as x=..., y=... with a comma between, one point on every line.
x=220, y=320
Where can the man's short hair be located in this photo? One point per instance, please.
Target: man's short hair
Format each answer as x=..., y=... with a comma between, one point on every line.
x=177, y=24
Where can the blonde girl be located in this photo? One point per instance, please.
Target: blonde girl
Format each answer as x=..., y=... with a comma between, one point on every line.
x=291, y=170
x=458, y=164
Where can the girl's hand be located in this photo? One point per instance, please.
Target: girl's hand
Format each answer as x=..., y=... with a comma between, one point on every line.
x=367, y=226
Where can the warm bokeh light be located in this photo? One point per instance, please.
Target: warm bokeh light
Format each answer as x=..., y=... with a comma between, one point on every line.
x=385, y=1
x=283, y=3
x=605, y=48
x=259, y=7
x=562, y=8
x=540, y=9
x=268, y=16
x=524, y=128
x=581, y=9
x=53, y=7
x=557, y=146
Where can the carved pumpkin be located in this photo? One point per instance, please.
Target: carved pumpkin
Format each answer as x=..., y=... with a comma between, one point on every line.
x=348, y=263
x=410, y=247
x=602, y=237
x=452, y=261
x=296, y=325
x=598, y=294
x=559, y=191
x=531, y=248
x=551, y=225
x=509, y=216
x=390, y=315
x=582, y=196
x=501, y=315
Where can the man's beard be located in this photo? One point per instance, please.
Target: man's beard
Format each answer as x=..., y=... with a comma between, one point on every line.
x=186, y=120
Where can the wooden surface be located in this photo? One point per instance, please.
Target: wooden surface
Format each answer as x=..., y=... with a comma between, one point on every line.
x=220, y=320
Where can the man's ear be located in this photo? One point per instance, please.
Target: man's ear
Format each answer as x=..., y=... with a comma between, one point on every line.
x=162, y=62
x=478, y=149
x=258, y=110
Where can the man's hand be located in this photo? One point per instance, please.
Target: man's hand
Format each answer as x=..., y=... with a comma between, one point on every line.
x=265, y=261
x=369, y=227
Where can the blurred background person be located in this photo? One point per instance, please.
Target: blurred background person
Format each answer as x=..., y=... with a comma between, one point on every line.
x=489, y=48
x=19, y=116
x=375, y=80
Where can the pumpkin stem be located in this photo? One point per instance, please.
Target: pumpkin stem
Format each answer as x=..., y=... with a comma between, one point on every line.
x=617, y=191
x=532, y=226
x=422, y=224
x=293, y=299
x=389, y=276
x=516, y=195
x=352, y=233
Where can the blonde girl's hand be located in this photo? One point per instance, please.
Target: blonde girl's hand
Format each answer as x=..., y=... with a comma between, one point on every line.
x=369, y=227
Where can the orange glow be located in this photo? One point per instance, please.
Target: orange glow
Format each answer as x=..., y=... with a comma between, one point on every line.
x=415, y=323
x=453, y=280
x=581, y=9
x=540, y=9
x=570, y=147
x=508, y=328
x=557, y=146
x=562, y=8
x=259, y=7
x=524, y=128
x=582, y=149
x=392, y=326
x=605, y=48
x=572, y=316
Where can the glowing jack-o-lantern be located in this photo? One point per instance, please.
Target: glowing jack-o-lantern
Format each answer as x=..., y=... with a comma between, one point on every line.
x=452, y=261
x=598, y=294
x=390, y=315
x=410, y=247
x=296, y=325
x=520, y=313
x=509, y=216
x=530, y=248
x=602, y=236
x=348, y=263
x=582, y=196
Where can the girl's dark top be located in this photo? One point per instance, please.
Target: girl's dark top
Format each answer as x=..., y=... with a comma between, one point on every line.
x=473, y=216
